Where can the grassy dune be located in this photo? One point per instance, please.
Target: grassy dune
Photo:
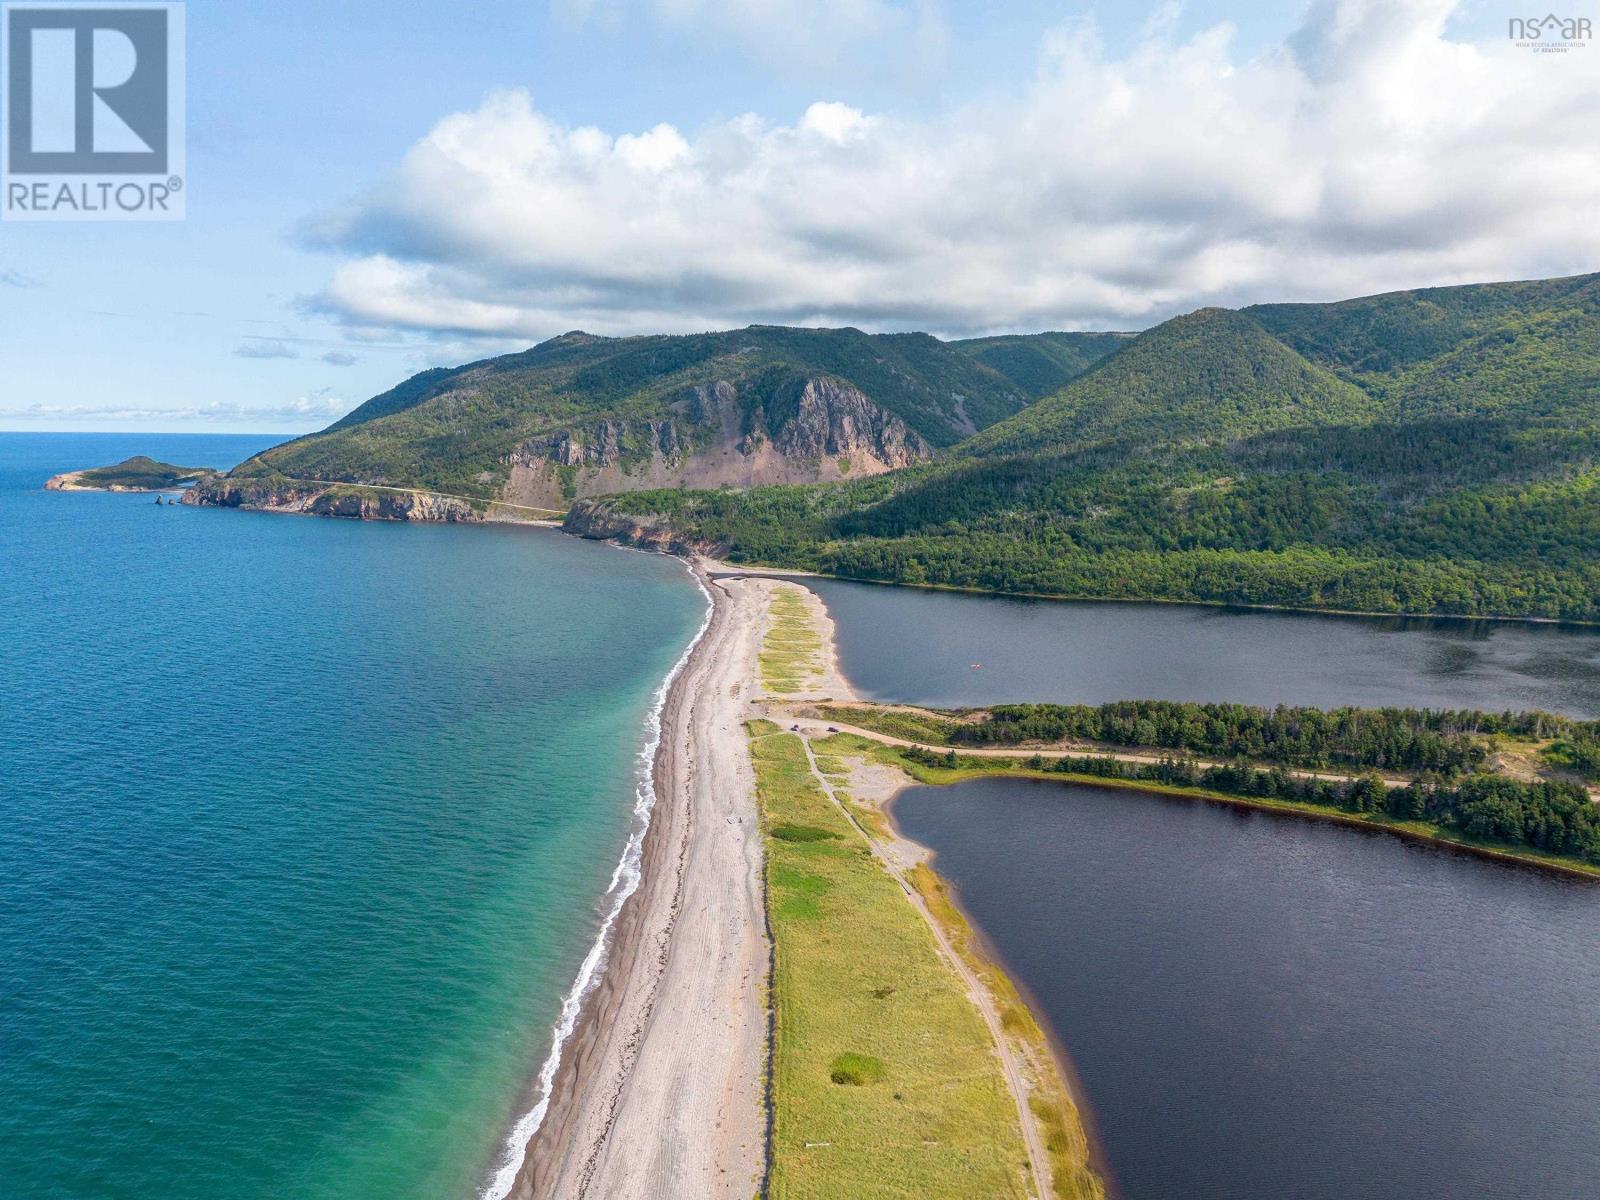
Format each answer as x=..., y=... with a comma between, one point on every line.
x=886, y=1084
x=1053, y=1108
x=791, y=648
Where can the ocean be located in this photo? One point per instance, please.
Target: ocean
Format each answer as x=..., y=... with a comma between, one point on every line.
x=306, y=830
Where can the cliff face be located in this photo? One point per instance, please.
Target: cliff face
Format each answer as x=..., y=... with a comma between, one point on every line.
x=325, y=500
x=834, y=419
x=599, y=521
x=719, y=434
x=602, y=443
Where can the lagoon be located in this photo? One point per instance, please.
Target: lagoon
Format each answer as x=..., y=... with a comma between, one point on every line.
x=948, y=649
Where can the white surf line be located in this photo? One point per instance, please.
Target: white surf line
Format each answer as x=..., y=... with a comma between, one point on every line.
x=624, y=882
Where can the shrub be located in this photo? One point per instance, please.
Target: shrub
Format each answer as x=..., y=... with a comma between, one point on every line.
x=856, y=1070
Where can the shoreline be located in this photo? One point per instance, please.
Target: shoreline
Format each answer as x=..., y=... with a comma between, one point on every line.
x=1417, y=833
x=577, y=1010
x=983, y=945
x=723, y=566
x=1049, y=1066
x=797, y=573
x=621, y=1107
x=658, y=1090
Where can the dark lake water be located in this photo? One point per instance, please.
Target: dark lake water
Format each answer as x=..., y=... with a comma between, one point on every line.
x=944, y=648
x=1262, y=1007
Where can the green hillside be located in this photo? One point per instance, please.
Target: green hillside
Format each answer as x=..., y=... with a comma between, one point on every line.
x=1042, y=363
x=1432, y=451
x=1210, y=373
x=1435, y=450
x=454, y=429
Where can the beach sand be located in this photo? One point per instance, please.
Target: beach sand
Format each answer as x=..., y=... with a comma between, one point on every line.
x=659, y=1092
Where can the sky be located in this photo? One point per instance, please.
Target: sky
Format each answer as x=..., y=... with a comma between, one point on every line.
x=379, y=186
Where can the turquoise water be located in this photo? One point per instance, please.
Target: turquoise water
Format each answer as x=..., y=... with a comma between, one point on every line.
x=304, y=826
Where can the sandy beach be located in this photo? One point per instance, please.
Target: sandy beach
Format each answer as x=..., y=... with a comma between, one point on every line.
x=659, y=1092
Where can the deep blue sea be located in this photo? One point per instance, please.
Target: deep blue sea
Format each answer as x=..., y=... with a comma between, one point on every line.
x=305, y=827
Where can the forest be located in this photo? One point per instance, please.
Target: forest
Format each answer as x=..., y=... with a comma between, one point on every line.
x=1435, y=451
x=1555, y=818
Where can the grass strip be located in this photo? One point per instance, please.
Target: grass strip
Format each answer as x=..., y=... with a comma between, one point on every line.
x=791, y=649
x=886, y=1084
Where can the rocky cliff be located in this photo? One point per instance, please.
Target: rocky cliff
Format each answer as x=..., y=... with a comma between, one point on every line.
x=599, y=521
x=719, y=434
x=833, y=419
x=330, y=500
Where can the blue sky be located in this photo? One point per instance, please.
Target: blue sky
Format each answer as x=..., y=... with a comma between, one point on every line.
x=869, y=162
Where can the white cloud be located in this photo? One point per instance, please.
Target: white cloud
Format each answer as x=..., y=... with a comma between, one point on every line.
x=1369, y=152
x=339, y=358
x=307, y=412
x=839, y=123
x=264, y=347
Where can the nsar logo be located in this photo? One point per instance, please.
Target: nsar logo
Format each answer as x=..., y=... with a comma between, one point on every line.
x=1550, y=34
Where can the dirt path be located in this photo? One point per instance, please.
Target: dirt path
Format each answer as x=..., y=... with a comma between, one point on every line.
x=1015, y=1077
x=814, y=726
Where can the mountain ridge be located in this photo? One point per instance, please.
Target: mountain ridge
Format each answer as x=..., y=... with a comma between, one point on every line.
x=579, y=414
x=1431, y=451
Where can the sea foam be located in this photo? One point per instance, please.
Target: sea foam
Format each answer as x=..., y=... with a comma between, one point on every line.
x=624, y=882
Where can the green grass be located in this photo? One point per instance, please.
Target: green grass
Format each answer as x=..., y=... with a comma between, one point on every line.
x=860, y=991
x=858, y=1070
x=791, y=647
x=922, y=727
x=1053, y=1107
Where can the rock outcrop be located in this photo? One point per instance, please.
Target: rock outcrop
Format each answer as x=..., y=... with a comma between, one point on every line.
x=277, y=494
x=602, y=444
x=598, y=520
x=722, y=434
x=836, y=420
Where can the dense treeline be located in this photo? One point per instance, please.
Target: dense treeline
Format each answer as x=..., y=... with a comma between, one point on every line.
x=1440, y=517
x=1040, y=363
x=1205, y=374
x=1428, y=452
x=1578, y=751
x=1552, y=818
x=1398, y=739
